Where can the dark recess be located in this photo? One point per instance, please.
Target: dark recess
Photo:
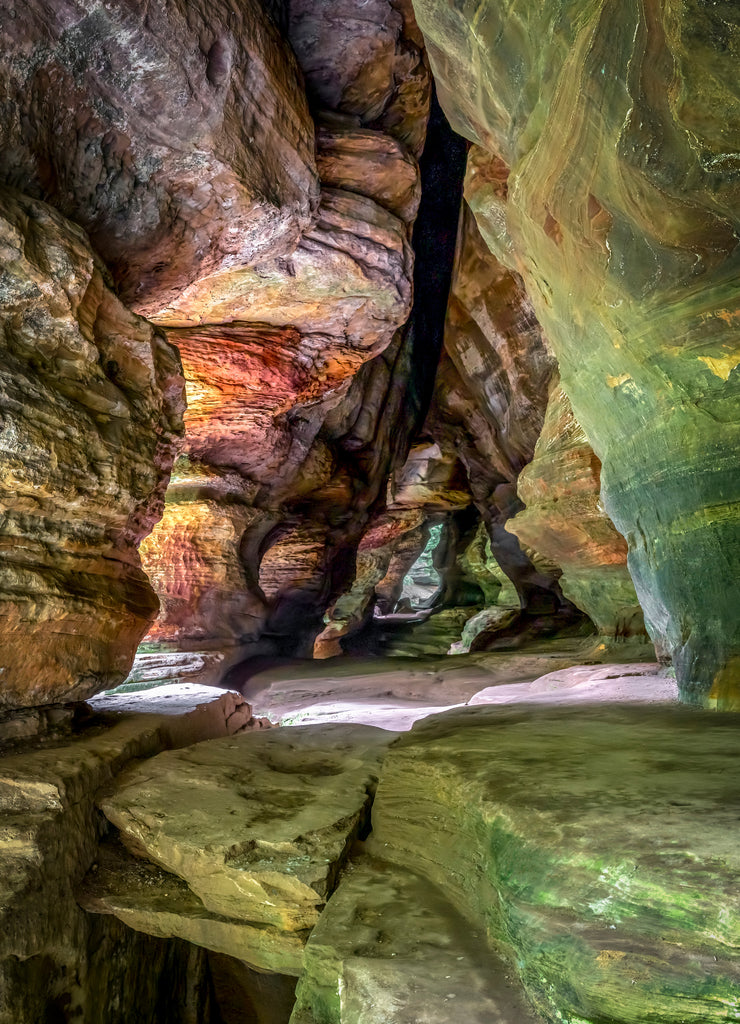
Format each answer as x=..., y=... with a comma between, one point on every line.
x=442, y=167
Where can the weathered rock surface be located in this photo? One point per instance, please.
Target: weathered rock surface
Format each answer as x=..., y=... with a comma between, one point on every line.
x=565, y=521
x=91, y=401
x=178, y=136
x=431, y=478
x=393, y=693
x=349, y=278
x=193, y=713
x=390, y=947
x=284, y=447
x=156, y=902
x=371, y=163
x=596, y=844
x=55, y=960
x=429, y=484
x=490, y=398
x=392, y=538
x=367, y=64
x=621, y=135
x=192, y=559
x=258, y=830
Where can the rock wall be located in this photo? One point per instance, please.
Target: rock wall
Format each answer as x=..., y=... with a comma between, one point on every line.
x=619, y=125
x=176, y=134
x=57, y=962
x=91, y=403
x=490, y=398
x=292, y=362
x=563, y=519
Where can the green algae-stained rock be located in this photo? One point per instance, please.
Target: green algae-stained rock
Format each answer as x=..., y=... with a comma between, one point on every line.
x=258, y=829
x=391, y=949
x=599, y=844
x=620, y=126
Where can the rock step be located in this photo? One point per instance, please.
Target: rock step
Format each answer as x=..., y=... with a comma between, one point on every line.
x=258, y=825
x=391, y=949
x=158, y=903
x=598, y=844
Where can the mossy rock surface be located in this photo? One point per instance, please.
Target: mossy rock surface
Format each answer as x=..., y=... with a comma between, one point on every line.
x=598, y=844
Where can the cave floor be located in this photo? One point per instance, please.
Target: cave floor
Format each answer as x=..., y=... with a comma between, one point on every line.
x=393, y=693
x=509, y=837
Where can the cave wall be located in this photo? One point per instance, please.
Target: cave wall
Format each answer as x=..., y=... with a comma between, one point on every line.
x=489, y=401
x=291, y=362
x=619, y=127
x=91, y=403
x=251, y=182
x=563, y=518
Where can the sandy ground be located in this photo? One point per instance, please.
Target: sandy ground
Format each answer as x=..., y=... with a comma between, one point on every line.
x=395, y=699
x=393, y=693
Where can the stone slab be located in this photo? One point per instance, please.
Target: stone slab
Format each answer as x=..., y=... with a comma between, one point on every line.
x=598, y=842
x=158, y=903
x=391, y=949
x=257, y=825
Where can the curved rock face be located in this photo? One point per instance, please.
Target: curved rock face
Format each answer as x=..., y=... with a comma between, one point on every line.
x=367, y=63
x=349, y=278
x=177, y=134
x=294, y=363
x=91, y=402
x=490, y=398
x=621, y=128
x=565, y=521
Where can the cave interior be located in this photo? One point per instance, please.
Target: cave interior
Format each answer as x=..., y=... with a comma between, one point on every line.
x=369, y=512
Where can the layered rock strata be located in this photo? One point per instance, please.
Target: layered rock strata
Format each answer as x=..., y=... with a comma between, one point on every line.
x=56, y=961
x=178, y=136
x=289, y=362
x=621, y=136
x=369, y=65
x=257, y=831
x=91, y=403
x=490, y=398
x=564, y=520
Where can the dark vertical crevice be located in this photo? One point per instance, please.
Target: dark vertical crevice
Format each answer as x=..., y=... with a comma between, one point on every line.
x=442, y=167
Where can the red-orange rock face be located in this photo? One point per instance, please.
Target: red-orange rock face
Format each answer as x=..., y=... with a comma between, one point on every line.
x=176, y=133
x=283, y=438
x=91, y=402
x=240, y=379
x=192, y=560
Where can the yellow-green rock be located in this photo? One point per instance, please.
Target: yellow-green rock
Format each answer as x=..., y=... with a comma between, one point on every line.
x=597, y=844
x=620, y=126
